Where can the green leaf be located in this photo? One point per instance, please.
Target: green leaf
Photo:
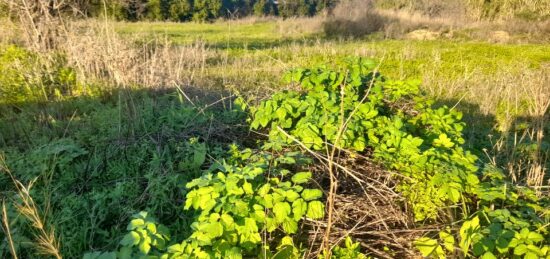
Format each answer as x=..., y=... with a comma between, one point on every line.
x=302, y=177
x=177, y=248
x=233, y=253
x=290, y=226
x=125, y=253
x=281, y=211
x=135, y=223
x=468, y=230
x=520, y=249
x=130, y=239
x=291, y=195
x=247, y=187
x=426, y=246
x=315, y=210
x=299, y=209
x=214, y=229
x=535, y=237
x=443, y=141
x=448, y=240
x=488, y=255
x=311, y=194
x=151, y=227
x=144, y=247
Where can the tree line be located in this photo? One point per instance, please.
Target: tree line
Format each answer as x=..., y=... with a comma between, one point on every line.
x=202, y=10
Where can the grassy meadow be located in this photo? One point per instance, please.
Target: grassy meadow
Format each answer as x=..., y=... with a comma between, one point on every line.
x=125, y=114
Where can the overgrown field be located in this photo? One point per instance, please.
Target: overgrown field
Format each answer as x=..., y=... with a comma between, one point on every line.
x=268, y=138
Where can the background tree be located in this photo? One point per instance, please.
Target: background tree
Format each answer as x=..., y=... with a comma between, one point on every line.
x=180, y=10
x=206, y=10
x=265, y=7
x=154, y=10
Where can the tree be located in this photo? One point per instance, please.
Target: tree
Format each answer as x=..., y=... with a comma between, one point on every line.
x=181, y=10
x=264, y=7
x=206, y=10
x=154, y=10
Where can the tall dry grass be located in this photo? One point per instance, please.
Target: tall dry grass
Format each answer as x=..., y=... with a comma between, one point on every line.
x=99, y=53
x=46, y=242
x=518, y=103
x=439, y=19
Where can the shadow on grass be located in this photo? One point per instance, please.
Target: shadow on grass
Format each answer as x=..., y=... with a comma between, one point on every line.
x=482, y=136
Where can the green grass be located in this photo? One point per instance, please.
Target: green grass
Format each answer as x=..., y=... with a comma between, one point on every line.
x=266, y=47
x=230, y=35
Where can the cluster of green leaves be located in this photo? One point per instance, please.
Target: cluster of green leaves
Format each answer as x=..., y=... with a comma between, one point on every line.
x=235, y=202
x=354, y=108
x=145, y=234
x=350, y=250
x=511, y=222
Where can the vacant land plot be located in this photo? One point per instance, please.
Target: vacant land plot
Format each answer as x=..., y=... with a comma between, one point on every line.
x=192, y=140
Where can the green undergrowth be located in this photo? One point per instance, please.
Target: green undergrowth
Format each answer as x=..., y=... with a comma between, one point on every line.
x=252, y=202
x=97, y=155
x=200, y=186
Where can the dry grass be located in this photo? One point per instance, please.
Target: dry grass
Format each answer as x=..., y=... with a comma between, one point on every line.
x=354, y=19
x=357, y=18
x=7, y=231
x=99, y=53
x=45, y=240
x=300, y=25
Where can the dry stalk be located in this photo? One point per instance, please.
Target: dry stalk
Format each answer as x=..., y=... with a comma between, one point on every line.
x=6, y=229
x=46, y=242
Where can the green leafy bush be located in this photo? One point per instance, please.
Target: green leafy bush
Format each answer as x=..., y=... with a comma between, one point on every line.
x=245, y=196
x=511, y=222
x=236, y=201
x=352, y=107
x=349, y=251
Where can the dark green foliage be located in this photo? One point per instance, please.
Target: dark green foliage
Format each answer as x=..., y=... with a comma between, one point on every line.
x=155, y=11
x=202, y=10
x=180, y=10
x=206, y=10
x=264, y=7
x=290, y=8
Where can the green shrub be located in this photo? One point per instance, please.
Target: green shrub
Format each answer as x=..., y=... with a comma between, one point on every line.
x=391, y=118
x=510, y=222
x=236, y=201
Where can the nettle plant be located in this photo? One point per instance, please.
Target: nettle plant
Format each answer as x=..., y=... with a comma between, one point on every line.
x=355, y=108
